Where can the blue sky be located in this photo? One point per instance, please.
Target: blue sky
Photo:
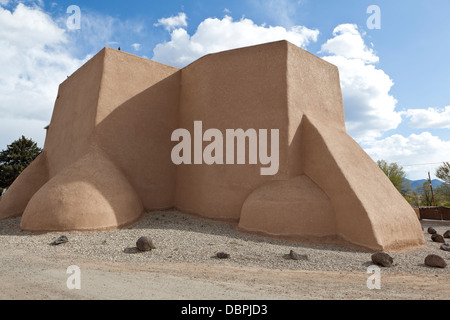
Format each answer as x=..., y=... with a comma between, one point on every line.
x=395, y=80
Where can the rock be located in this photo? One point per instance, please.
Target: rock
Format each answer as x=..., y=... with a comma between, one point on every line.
x=431, y=230
x=382, y=259
x=437, y=238
x=295, y=256
x=435, y=261
x=447, y=234
x=60, y=240
x=223, y=255
x=145, y=244
x=445, y=247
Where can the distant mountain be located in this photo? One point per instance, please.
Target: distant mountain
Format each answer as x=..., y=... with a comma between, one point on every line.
x=418, y=183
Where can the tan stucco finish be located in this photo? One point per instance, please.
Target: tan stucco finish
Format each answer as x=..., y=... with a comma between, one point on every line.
x=107, y=155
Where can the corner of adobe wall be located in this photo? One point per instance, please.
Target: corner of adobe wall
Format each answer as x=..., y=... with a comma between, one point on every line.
x=370, y=212
x=90, y=194
x=15, y=200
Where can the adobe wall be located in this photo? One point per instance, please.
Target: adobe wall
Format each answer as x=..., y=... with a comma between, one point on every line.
x=73, y=120
x=107, y=155
x=137, y=112
x=236, y=89
x=16, y=199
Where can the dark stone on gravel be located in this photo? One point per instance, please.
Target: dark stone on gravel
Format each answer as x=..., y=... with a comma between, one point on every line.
x=223, y=255
x=437, y=238
x=144, y=244
x=447, y=234
x=382, y=259
x=431, y=230
x=435, y=261
x=295, y=256
x=445, y=247
x=60, y=240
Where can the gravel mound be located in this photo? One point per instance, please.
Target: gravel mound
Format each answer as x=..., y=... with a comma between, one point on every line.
x=185, y=238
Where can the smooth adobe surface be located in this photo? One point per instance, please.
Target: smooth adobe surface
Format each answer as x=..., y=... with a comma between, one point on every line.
x=89, y=194
x=107, y=155
x=24, y=187
x=246, y=89
x=298, y=200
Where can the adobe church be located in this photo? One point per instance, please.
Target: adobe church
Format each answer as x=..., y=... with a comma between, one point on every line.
x=108, y=151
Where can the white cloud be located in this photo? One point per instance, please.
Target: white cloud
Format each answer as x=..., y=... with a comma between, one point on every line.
x=369, y=108
x=34, y=61
x=348, y=43
x=214, y=35
x=413, y=153
x=173, y=22
x=27, y=28
x=429, y=118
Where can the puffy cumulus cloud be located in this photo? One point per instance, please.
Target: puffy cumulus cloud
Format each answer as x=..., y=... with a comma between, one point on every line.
x=34, y=61
x=429, y=118
x=418, y=154
x=214, y=35
x=369, y=108
x=348, y=43
x=173, y=22
x=28, y=27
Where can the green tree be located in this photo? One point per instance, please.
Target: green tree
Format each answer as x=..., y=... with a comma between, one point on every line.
x=443, y=172
x=395, y=173
x=443, y=194
x=426, y=198
x=413, y=198
x=15, y=159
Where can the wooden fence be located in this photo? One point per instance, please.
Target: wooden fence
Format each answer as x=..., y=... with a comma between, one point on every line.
x=434, y=213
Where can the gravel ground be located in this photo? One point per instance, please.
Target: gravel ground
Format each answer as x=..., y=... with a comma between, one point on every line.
x=182, y=238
